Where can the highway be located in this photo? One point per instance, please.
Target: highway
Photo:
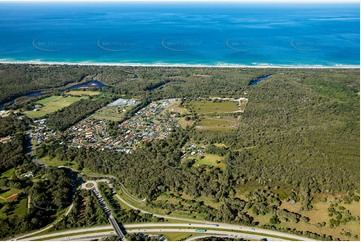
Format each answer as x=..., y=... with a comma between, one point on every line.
x=107, y=211
x=239, y=231
x=46, y=228
x=221, y=225
x=214, y=233
x=162, y=227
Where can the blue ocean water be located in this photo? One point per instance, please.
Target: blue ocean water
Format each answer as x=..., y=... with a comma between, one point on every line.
x=182, y=33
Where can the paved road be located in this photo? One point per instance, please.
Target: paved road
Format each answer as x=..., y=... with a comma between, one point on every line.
x=175, y=227
x=46, y=228
x=221, y=225
x=107, y=211
x=190, y=223
x=217, y=233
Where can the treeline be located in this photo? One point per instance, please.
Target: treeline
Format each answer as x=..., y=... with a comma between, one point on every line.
x=10, y=126
x=48, y=196
x=122, y=215
x=19, y=79
x=12, y=151
x=86, y=211
x=68, y=116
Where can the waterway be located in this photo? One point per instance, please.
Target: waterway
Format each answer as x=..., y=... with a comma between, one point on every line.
x=259, y=79
x=89, y=84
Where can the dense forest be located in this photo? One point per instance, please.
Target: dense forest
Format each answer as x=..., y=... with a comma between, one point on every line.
x=17, y=80
x=12, y=152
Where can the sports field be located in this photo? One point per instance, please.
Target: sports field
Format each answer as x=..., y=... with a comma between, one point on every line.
x=83, y=93
x=52, y=104
x=206, y=107
x=223, y=123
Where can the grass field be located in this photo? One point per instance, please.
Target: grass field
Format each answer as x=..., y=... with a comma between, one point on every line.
x=110, y=113
x=56, y=162
x=174, y=236
x=83, y=93
x=5, y=195
x=8, y=173
x=53, y=104
x=21, y=208
x=218, y=123
x=211, y=160
x=174, y=107
x=184, y=123
x=214, y=107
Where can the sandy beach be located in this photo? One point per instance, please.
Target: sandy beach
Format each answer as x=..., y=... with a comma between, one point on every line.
x=221, y=65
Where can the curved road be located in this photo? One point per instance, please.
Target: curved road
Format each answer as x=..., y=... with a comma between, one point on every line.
x=214, y=233
x=172, y=227
x=200, y=224
x=46, y=228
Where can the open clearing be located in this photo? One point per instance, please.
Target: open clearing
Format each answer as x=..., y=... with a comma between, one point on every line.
x=175, y=107
x=8, y=173
x=55, y=162
x=207, y=107
x=218, y=123
x=53, y=104
x=83, y=93
x=211, y=160
x=110, y=113
x=9, y=195
x=184, y=123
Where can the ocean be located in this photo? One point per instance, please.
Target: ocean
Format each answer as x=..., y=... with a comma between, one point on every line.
x=212, y=34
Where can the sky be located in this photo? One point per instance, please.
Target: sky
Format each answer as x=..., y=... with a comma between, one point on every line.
x=266, y=1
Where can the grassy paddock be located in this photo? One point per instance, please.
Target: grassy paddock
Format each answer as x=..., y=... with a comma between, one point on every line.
x=53, y=104
x=110, y=113
x=217, y=123
x=211, y=160
x=204, y=107
x=83, y=93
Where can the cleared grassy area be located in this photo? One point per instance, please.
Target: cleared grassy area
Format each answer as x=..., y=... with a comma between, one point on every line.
x=211, y=160
x=174, y=107
x=55, y=162
x=8, y=193
x=319, y=213
x=83, y=93
x=181, y=214
x=8, y=173
x=53, y=104
x=214, y=107
x=74, y=234
x=21, y=208
x=217, y=123
x=184, y=123
x=111, y=113
x=174, y=236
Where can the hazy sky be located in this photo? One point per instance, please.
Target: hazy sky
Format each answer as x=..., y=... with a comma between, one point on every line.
x=269, y=1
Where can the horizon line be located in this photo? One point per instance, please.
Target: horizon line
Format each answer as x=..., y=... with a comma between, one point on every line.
x=183, y=1
x=220, y=65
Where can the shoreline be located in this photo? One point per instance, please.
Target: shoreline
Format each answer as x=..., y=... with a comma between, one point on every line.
x=223, y=65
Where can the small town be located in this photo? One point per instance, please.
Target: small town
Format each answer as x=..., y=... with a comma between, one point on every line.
x=148, y=124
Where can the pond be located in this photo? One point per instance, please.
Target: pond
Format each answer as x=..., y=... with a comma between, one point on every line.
x=255, y=81
x=30, y=94
x=89, y=84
